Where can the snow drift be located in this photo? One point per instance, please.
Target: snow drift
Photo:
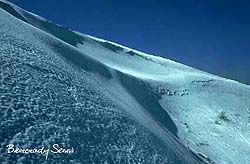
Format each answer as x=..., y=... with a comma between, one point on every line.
x=111, y=103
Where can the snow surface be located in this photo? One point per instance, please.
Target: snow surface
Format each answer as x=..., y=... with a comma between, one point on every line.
x=111, y=103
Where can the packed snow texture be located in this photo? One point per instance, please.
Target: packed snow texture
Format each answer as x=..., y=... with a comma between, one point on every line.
x=111, y=103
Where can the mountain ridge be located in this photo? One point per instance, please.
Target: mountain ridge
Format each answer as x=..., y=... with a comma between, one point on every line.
x=178, y=105
x=77, y=38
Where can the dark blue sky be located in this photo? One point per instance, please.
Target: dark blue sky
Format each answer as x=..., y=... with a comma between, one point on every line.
x=211, y=35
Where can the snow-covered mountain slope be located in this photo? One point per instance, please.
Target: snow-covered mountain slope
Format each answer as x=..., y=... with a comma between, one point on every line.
x=111, y=103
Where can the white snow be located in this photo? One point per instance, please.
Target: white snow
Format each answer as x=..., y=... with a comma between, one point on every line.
x=212, y=114
x=197, y=114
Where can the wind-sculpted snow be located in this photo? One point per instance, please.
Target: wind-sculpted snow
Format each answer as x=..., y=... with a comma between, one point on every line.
x=143, y=94
x=58, y=31
x=112, y=104
x=53, y=93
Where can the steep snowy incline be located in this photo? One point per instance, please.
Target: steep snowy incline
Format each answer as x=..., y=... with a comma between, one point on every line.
x=53, y=93
x=212, y=114
x=119, y=104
